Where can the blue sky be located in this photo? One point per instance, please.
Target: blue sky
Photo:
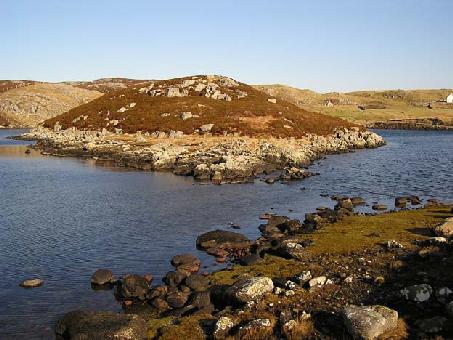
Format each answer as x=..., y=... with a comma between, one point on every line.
x=322, y=45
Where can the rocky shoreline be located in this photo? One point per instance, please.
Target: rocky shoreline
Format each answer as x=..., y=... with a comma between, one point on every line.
x=402, y=125
x=226, y=159
x=291, y=283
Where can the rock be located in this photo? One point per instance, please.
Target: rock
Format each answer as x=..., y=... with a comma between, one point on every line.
x=317, y=281
x=174, y=278
x=445, y=229
x=272, y=100
x=257, y=324
x=186, y=115
x=303, y=277
x=369, y=322
x=443, y=294
x=200, y=300
x=102, y=277
x=251, y=259
x=246, y=290
x=358, y=201
x=177, y=299
x=100, y=325
x=197, y=282
x=392, y=244
x=417, y=293
x=222, y=327
x=216, y=238
x=379, y=207
x=415, y=200
x=206, y=127
x=345, y=204
x=292, y=249
x=400, y=202
x=432, y=325
x=32, y=283
x=160, y=304
x=187, y=262
x=133, y=287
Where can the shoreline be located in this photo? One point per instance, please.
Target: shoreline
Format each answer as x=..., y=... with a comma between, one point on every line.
x=219, y=160
x=292, y=273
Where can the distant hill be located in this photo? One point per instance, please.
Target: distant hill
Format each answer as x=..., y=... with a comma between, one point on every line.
x=106, y=85
x=367, y=107
x=31, y=103
x=210, y=103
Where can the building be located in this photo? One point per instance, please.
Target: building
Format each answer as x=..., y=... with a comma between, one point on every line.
x=450, y=98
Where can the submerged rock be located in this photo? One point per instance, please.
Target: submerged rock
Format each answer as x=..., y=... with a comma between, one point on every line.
x=100, y=325
x=102, y=277
x=133, y=287
x=369, y=322
x=31, y=283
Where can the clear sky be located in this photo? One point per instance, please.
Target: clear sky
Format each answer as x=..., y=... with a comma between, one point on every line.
x=322, y=45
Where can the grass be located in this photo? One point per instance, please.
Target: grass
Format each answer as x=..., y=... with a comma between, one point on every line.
x=398, y=104
x=251, y=116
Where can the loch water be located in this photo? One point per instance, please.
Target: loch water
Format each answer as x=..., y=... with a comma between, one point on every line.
x=63, y=218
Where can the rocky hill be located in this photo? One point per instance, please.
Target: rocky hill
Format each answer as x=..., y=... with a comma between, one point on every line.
x=106, y=85
x=26, y=104
x=370, y=107
x=205, y=104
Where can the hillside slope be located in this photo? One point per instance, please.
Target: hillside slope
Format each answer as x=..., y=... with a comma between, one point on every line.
x=26, y=106
x=369, y=107
x=199, y=103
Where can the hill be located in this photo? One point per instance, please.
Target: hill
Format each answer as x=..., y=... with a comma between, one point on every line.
x=215, y=104
x=106, y=85
x=30, y=103
x=370, y=107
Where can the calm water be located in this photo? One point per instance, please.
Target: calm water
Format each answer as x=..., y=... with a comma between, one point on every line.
x=61, y=219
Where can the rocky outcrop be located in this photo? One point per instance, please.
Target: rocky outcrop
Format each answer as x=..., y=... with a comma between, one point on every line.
x=218, y=159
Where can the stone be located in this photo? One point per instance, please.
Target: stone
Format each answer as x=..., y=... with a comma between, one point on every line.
x=100, y=325
x=291, y=249
x=246, y=290
x=272, y=100
x=177, y=299
x=317, y=281
x=174, y=278
x=417, y=293
x=32, y=283
x=445, y=229
x=186, y=115
x=432, y=325
x=393, y=244
x=449, y=309
x=222, y=327
x=102, y=277
x=200, y=300
x=358, y=201
x=216, y=238
x=379, y=207
x=122, y=110
x=400, y=202
x=257, y=324
x=303, y=277
x=197, y=282
x=369, y=322
x=160, y=304
x=133, y=287
x=443, y=294
x=187, y=262
x=206, y=127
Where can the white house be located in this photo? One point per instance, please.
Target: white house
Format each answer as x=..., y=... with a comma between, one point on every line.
x=450, y=98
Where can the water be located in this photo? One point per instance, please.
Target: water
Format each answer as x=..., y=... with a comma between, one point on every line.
x=61, y=219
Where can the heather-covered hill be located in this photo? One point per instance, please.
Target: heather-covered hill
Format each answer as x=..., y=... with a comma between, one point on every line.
x=215, y=104
x=106, y=85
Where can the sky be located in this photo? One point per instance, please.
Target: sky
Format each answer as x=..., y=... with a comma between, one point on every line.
x=321, y=45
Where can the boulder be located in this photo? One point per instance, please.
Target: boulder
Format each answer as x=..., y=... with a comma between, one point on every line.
x=445, y=229
x=186, y=262
x=222, y=327
x=221, y=238
x=317, y=281
x=177, y=299
x=245, y=290
x=100, y=325
x=358, y=201
x=417, y=293
x=102, y=277
x=197, y=282
x=200, y=300
x=303, y=277
x=369, y=322
x=379, y=207
x=133, y=287
x=432, y=325
x=400, y=202
x=174, y=278
x=449, y=309
x=292, y=249
x=31, y=283
x=206, y=127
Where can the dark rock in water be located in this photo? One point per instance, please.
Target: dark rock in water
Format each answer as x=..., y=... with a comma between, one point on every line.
x=100, y=325
x=358, y=201
x=133, y=287
x=271, y=228
x=221, y=238
x=159, y=291
x=174, y=278
x=31, y=283
x=197, y=282
x=186, y=262
x=251, y=259
x=160, y=304
x=344, y=204
x=415, y=200
x=102, y=277
x=400, y=202
x=379, y=207
x=290, y=226
x=177, y=299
